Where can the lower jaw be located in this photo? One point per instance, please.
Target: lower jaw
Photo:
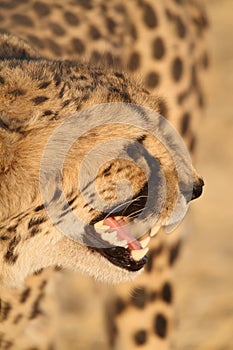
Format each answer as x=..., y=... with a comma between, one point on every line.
x=120, y=257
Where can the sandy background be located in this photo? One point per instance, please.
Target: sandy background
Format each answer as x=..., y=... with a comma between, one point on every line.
x=205, y=270
x=204, y=276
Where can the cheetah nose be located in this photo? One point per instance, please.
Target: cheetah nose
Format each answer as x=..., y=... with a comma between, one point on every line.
x=197, y=188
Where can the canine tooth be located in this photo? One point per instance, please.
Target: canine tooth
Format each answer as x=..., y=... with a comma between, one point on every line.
x=154, y=230
x=144, y=242
x=99, y=224
x=139, y=253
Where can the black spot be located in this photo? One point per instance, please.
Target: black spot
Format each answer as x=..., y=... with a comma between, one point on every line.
x=181, y=29
x=78, y=45
x=2, y=80
x=182, y=96
x=8, y=5
x=160, y=325
x=152, y=80
x=141, y=139
x=35, y=41
x=158, y=48
x=66, y=103
x=106, y=171
x=205, y=60
x=57, y=79
x=112, y=330
x=194, y=79
x=47, y=112
x=71, y=18
x=69, y=203
x=10, y=257
x=170, y=15
x=43, y=285
x=111, y=25
x=140, y=337
x=36, y=311
x=153, y=296
x=149, y=16
x=133, y=31
x=120, y=305
x=4, y=238
x=192, y=144
x=185, y=123
x=167, y=292
x=39, y=208
x=5, y=310
x=22, y=20
x=25, y=295
x=174, y=252
x=17, y=318
x=95, y=57
x=120, y=8
x=17, y=92
x=151, y=257
x=36, y=221
x=39, y=99
x=139, y=297
x=119, y=75
x=56, y=29
x=41, y=9
x=134, y=61
x=34, y=231
x=38, y=272
x=201, y=100
x=87, y=4
x=163, y=108
x=57, y=194
x=57, y=268
x=44, y=85
x=12, y=228
x=94, y=33
x=54, y=47
x=177, y=69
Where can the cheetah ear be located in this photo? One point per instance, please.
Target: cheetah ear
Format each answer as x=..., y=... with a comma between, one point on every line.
x=13, y=47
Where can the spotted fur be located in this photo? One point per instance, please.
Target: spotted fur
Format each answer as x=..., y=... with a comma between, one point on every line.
x=161, y=47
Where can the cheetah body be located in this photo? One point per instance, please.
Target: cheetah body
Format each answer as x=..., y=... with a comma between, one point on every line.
x=161, y=47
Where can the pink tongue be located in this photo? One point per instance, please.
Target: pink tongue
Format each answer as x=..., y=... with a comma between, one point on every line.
x=122, y=229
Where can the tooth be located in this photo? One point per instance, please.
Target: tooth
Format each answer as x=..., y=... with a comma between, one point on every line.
x=154, y=230
x=121, y=243
x=117, y=218
x=139, y=253
x=109, y=236
x=144, y=242
x=100, y=224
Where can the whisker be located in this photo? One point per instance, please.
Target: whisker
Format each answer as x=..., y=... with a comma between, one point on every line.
x=126, y=205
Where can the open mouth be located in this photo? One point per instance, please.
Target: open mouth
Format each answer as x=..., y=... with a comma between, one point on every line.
x=115, y=240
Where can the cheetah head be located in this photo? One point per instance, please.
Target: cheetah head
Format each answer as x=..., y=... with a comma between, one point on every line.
x=89, y=170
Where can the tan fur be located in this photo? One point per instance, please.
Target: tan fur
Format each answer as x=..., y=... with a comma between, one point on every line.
x=37, y=95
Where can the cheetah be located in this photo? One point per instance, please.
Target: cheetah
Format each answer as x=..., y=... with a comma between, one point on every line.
x=75, y=76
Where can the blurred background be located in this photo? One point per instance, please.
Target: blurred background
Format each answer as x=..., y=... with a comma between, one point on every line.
x=205, y=270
